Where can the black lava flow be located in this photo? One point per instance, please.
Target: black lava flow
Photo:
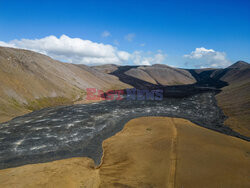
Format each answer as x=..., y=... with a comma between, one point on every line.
x=78, y=130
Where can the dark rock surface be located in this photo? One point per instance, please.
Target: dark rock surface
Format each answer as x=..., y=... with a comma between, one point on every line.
x=78, y=130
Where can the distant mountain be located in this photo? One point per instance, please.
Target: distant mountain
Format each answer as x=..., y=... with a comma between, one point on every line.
x=240, y=64
x=30, y=81
x=156, y=74
x=107, y=68
x=238, y=72
x=162, y=74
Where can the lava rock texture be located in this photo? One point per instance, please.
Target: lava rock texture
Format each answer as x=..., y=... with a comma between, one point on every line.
x=78, y=130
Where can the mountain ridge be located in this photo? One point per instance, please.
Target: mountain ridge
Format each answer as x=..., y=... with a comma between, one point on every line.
x=240, y=64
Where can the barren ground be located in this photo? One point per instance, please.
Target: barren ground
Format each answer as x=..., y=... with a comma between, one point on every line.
x=148, y=152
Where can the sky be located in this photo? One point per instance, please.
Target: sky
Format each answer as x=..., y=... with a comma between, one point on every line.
x=187, y=34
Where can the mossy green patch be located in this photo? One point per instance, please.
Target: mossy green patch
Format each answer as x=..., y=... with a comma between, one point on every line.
x=47, y=102
x=15, y=104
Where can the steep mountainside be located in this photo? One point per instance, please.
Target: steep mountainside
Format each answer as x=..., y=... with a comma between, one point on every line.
x=30, y=81
x=235, y=98
x=238, y=72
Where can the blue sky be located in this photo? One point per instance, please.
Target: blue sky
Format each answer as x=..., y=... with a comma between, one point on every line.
x=217, y=32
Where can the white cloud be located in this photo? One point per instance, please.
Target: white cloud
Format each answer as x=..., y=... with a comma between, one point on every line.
x=199, y=53
x=6, y=44
x=73, y=50
x=79, y=51
x=203, y=58
x=106, y=34
x=142, y=58
x=124, y=56
x=130, y=37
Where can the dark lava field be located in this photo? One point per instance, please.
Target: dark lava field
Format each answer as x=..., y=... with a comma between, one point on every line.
x=78, y=130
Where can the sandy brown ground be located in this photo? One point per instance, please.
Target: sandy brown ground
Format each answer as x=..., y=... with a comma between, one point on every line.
x=209, y=159
x=148, y=152
x=74, y=172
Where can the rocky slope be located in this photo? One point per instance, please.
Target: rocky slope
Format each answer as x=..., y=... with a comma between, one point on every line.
x=30, y=81
x=235, y=98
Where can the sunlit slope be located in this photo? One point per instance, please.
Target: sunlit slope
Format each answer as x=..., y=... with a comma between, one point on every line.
x=235, y=103
x=31, y=81
x=162, y=74
x=235, y=98
x=148, y=152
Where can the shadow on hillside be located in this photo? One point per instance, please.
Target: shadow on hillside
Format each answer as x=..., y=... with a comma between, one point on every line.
x=205, y=83
x=209, y=78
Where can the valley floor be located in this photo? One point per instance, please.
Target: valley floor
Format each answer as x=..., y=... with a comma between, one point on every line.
x=148, y=152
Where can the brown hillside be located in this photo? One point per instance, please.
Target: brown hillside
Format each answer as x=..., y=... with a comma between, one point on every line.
x=235, y=103
x=30, y=81
x=235, y=98
x=162, y=74
x=108, y=68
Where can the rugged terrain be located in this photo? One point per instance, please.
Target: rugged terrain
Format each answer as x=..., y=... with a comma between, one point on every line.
x=78, y=130
x=213, y=140
x=31, y=81
x=235, y=98
x=182, y=153
x=234, y=83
